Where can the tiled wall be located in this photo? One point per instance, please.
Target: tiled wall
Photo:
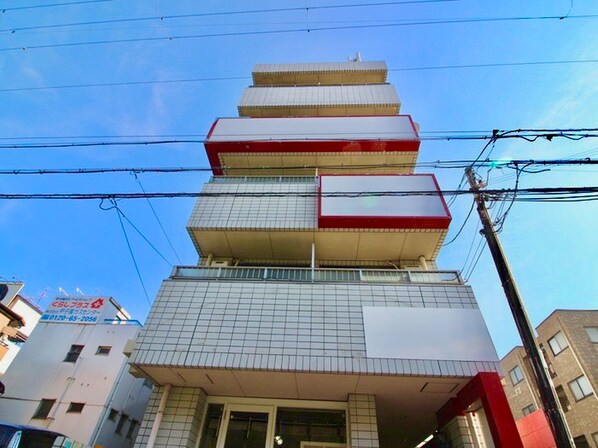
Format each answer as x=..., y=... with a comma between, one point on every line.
x=286, y=326
x=237, y=212
x=458, y=434
x=181, y=420
x=362, y=421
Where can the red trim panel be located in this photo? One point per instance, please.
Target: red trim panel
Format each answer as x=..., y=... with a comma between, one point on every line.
x=383, y=222
x=215, y=149
x=486, y=387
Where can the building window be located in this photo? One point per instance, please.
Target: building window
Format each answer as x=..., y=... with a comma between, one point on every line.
x=103, y=350
x=562, y=396
x=593, y=335
x=296, y=426
x=73, y=353
x=112, y=415
x=529, y=409
x=44, y=408
x=75, y=407
x=516, y=375
x=580, y=388
x=132, y=428
x=209, y=433
x=581, y=442
x=558, y=343
x=121, y=422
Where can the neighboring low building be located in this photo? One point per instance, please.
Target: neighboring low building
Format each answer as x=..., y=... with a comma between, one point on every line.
x=13, y=336
x=569, y=341
x=72, y=375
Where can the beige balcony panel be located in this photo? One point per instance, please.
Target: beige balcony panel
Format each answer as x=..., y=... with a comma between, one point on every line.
x=323, y=73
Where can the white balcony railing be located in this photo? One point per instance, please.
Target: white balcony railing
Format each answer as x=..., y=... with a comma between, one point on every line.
x=320, y=275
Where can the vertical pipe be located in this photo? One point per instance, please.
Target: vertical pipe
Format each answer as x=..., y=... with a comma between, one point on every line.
x=313, y=261
x=158, y=419
x=423, y=263
x=209, y=259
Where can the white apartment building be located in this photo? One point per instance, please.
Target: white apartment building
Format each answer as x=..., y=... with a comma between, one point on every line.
x=316, y=316
x=72, y=376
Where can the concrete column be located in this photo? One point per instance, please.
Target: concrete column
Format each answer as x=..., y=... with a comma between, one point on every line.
x=181, y=421
x=423, y=262
x=363, y=425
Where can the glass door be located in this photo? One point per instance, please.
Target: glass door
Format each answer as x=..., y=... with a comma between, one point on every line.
x=247, y=426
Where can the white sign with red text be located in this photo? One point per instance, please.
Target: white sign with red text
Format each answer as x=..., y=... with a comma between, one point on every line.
x=75, y=310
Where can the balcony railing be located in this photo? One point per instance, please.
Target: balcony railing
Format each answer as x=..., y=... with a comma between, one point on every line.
x=320, y=275
x=263, y=180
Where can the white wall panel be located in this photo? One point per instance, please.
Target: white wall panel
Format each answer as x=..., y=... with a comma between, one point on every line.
x=427, y=333
x=321, y=128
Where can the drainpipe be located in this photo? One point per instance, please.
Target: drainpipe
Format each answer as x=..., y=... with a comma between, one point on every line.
x=209, y=260
x=158, y=419
x=313, y=261
x=423, y=263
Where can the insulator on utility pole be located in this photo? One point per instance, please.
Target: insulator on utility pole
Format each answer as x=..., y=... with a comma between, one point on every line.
x=550, y=403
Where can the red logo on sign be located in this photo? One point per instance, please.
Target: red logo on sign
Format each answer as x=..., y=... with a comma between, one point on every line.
x=97, y=303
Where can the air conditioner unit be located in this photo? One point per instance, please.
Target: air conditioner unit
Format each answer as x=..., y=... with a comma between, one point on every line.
x=220, y=264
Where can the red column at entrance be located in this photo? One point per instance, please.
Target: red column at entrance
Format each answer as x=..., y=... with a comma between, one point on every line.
x=487, y=389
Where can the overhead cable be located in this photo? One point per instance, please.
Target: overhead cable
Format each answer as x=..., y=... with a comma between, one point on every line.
x=452, y=164
x=237, y=78
x=533, y=194
x=297, y=30
x=215, y=14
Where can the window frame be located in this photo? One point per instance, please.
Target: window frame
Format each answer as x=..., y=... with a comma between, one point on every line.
x=132, y=426
x=75, y=351
x=75, y=407
x=555, y=338
x=121, y=423
x=529, y=409
x=112, y=414
x=513, y=374
x=38, y=415
x=593, y=338
x=101, y=350
x=577, y=383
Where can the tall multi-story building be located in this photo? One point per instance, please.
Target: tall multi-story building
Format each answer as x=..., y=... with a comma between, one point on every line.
x=72, y=375
x=569, y=342
x=316, y=316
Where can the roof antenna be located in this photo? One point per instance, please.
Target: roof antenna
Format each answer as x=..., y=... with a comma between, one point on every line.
x=63, y=291
x=357, y=57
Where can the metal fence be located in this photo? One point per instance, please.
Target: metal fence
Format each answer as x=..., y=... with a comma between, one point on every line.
x=322, y=275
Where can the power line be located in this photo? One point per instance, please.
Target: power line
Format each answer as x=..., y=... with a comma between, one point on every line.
x=51, y=5
x=538, y=194
x=220, y=13
x=298, y=30
x=453, y=164
x=530, y=135
x=158, y=219
x=130, y=249
x=238, y=78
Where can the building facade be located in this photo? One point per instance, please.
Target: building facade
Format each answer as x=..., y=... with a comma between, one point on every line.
x=12, y=337
x=72, y=375
x=316, y=316
x=569, y=342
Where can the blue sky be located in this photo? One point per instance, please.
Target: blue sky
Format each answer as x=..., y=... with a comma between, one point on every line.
x=75, y=244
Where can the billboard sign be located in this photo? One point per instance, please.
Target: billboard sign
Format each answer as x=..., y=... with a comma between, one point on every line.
x=75, y=310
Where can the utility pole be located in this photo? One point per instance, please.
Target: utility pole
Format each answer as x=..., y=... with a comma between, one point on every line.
x=550, y=402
